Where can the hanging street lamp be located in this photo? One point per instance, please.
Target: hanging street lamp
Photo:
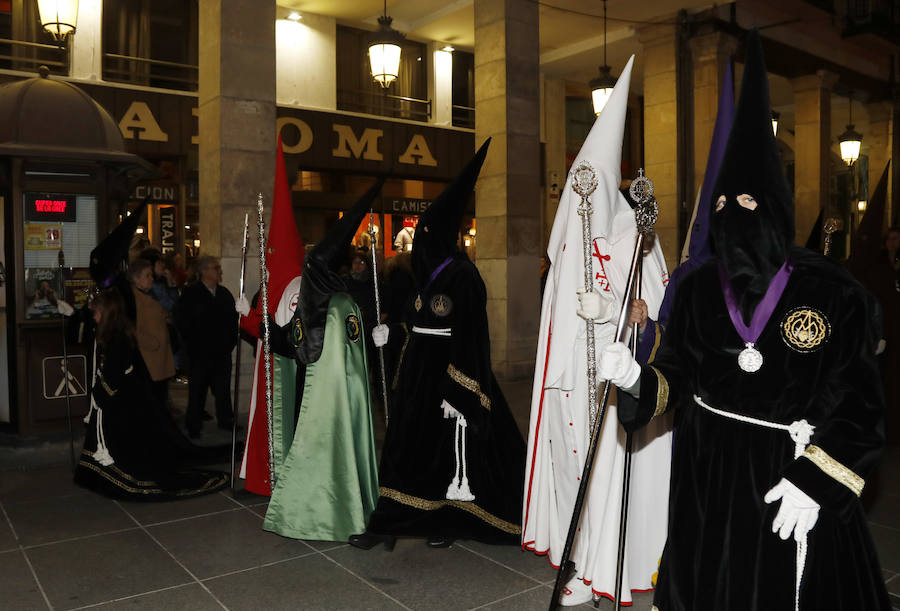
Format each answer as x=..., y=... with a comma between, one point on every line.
x=602, y=86
x=58, y=17
x=850, y=141
x=384, y=51
x=775, y=117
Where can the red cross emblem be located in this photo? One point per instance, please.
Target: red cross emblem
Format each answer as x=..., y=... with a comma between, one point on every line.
x=600, y=276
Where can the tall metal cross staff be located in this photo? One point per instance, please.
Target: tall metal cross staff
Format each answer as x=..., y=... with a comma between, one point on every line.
x=237, y=357
x=378, y=310
x=584, y=183
x=267, y=352
x=61, y=260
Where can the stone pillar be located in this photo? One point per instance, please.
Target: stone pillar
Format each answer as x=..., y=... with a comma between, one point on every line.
x=877, y=143
x=306, y=60
x=440, y=84
x=236, y=127
x=661, y=131
x=508, y=205
x=87, y=43
x=812, y=148
x=553, y=135
x=710, y=54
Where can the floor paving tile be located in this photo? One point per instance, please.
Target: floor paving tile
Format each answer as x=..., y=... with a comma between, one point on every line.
x=20, y=485
x=152, y=513
x=51, y=520
x=98, y=569
x=7, y=537
x=191, y=597
x=512, y=557
x=537, y=598
x=213, y=545
x=248, y=498
x=885, y=510
x=424, y=578
x=17, y=584
x=308, y=583
x=887, y=542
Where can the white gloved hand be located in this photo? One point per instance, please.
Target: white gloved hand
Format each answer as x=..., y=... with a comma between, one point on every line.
x=595, y=306
x=64, y=308
x=451, y=412
x=242, y=306
x=882, y=344
x=616, y=364
x=798, y=512
x=380, y=335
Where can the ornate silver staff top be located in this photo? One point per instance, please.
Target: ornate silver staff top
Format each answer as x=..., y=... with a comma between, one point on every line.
x=831, y=225
x=647, y=210
x=267, y=354
x=584, y=182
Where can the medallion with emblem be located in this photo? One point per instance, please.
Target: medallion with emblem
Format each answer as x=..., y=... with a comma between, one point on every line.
x=353, y=328
x=805, y=329
x=296, y=331
x=441, y=305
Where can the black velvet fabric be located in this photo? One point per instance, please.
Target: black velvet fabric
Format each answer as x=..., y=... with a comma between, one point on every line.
x=110, y=256
x=320, y=279
x=721, y=553
x=153, y=460
x=418, y=459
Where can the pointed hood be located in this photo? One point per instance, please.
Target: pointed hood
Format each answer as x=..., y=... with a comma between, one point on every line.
x=438, y=230
x=320, y=279
x=752, y=240
x=814, y=241
x=699, y=248
x=867, y=239
x=284, y=248
x=110, y=255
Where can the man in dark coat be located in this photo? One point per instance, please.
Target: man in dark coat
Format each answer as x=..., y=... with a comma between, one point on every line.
x=207, y=321
x=770, y=361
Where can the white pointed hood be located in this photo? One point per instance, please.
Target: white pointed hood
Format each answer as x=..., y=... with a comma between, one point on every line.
x=612, y=218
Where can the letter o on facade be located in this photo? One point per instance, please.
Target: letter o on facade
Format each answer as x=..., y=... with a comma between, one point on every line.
x=303, y=142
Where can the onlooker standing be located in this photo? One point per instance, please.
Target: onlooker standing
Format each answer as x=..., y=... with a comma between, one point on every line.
x=205, y=317
x=163, y=282
x=151, y=330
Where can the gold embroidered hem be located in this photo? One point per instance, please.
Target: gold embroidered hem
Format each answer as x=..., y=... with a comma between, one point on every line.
x=469, y=384
x=146, y=487
x=106, y=387
x=427, y=505
x=662, y=393
x=834, y=469
x=658, y=331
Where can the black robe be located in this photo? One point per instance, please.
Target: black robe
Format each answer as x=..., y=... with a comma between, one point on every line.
x=150, y=454
x=418, y=459
x=721, y=553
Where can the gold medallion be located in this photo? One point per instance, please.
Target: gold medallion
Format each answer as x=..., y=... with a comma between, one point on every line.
x=418, y=302
x=805, y=329
x=441, y=305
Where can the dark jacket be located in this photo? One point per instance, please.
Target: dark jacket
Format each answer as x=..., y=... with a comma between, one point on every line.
x=209, y=325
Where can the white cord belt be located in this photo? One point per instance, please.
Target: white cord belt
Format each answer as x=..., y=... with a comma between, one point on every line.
x=801, y=432
x=445, y=332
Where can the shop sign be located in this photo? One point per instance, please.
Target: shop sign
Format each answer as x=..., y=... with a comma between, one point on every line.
x=410, y=205
x=40, y=236
x=64, y=376
x=167, y=229
x=166, y=194
x=57, y=207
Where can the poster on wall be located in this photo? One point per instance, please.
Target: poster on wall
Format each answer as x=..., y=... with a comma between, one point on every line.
x=43, y=286
x=43, y=236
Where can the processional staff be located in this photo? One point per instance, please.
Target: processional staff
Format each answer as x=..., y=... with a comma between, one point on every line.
x=237, y=356
x=378, y=310
x=584, y=183
x=267, y=352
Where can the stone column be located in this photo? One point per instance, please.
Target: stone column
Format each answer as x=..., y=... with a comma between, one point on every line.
x=877, y=142
x=236, y=127
x=661, y=131
x=553, y=135
x=87, y=43
x=812, y=148
x=710, y=54
x=440, y=84
x=508, y=202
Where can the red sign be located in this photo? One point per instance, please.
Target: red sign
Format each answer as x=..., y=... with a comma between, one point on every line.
x=50, y=205
x=42, y=207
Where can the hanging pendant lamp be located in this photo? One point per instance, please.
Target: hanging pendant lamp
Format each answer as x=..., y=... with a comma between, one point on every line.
x=602, y=86
x=384, y=51
x=851, y=140
x=58, y=16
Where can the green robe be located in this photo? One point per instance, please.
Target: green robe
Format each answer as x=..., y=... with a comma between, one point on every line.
x=328, y=484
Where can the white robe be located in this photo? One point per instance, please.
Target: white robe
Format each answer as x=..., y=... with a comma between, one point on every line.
x=559, y=430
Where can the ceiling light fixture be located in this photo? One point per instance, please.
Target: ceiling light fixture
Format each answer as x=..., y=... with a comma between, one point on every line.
x=384, y=51
x=602, y=86
x=850, y=140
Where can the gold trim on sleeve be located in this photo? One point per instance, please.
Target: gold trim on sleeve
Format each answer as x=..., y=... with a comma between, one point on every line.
x=429, y=505
x=658, y=330
x=662, y=393
x=469, y=384
x=834, y=469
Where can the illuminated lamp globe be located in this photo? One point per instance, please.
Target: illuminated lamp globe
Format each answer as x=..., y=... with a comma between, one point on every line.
x=58, y=17
x=384, y=52
x=850, y=142
x=601, y=89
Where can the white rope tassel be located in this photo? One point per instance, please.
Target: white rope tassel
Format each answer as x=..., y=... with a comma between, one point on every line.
x=465, y=494
x=102, y=455
x=453, y=488
x=801, y=565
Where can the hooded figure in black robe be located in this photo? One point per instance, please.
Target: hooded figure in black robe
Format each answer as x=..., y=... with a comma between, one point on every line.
x=737, y=474
x=453, y=457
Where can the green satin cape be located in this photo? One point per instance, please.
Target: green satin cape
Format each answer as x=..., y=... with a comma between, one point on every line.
x=328, y=484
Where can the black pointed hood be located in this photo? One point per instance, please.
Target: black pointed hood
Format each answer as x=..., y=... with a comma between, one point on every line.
x=320, y=279
x=814, y=241
x=108, y=256
x=752, y=244
x=437, y=233
x=867, y=239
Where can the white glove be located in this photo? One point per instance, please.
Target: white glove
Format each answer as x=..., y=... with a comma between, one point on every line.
x=380, y=335
x=616, y=364
x=64, y=308
x=798, y=513
x=595, y=306
x=881, y=346
x=242, y=306
x=451, y=412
